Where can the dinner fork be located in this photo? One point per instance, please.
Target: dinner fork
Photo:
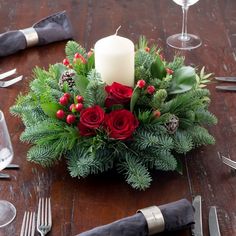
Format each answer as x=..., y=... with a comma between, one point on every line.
x=28, y=224
x=4, y=84
x=44, y=218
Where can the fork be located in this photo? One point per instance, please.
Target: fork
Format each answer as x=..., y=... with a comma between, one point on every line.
x=44, y=218
x=4, y=84
x=28, y=224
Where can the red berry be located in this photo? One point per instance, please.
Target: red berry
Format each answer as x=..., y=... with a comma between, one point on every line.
x=147, y=49
x=157, y=113
x=72, y=108
x=67, y=95
x=141, y=83
x=150, y=89
x=66, y=62
x=79, y=107
x=79, y=99
x=63, y=100
x=60, y=114
x=90, y=53
x=169, y=71
x=70, y=119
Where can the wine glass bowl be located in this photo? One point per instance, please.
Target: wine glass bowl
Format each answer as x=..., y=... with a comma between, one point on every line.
x=7, y=209
x=183, y=40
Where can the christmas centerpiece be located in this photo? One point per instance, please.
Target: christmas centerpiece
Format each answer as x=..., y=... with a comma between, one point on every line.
x=131, y=126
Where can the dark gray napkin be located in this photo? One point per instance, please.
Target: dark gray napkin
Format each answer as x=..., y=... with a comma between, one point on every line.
x=54, y=28
x=177, y=215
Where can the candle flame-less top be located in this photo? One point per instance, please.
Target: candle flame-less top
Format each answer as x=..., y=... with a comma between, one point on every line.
x=114, y=60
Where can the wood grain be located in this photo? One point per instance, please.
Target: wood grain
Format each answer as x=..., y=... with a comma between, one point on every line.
x=79, y=205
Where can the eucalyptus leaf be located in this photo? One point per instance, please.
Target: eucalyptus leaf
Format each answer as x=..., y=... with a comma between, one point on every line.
x=183, y=80
x=134, y=98
x=81, y=83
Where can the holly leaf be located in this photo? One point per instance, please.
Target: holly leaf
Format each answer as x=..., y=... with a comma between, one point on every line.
x=50, y=109
x=134, y=98
x=183, y=80
x=158, y=69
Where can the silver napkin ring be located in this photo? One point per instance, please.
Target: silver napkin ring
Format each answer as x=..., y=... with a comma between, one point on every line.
x=31, y=36
x=154, y=218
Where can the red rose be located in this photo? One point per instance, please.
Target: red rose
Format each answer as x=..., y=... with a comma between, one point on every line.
x=85, y=131
x=120, y=124
x=118, y=94
x=92, y=117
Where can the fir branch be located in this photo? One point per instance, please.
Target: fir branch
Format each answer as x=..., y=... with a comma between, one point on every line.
x=72, y=48
x=165, y=161
x=205, y=117
x=136, y=173
x=182, y=142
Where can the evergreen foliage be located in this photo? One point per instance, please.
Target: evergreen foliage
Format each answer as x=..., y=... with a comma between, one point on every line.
x=155, y=143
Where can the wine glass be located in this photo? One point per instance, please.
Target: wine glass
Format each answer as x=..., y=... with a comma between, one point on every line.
x=7, y=210
x=184, y=40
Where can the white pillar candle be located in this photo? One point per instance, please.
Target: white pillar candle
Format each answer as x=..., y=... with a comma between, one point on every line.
x=114, y=60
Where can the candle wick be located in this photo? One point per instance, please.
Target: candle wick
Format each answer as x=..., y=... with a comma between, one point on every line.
x=117, y=30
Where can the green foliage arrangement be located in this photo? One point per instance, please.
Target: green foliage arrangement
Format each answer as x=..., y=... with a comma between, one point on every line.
x=70, y=112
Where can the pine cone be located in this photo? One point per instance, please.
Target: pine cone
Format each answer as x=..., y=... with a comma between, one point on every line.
x=173, y=124
x=68, y=77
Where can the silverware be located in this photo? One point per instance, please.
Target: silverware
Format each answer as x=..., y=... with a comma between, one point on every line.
x=228, y=88
x=7, y=74
x=229, y=162
x=213, y=222
x=12, y=166
x=44, y=218
x=4, y=176
x=197, y=228
x=28, y=224
x=226, y=79
x=4, y=84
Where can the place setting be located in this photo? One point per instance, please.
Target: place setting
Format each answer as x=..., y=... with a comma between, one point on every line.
x=121, y=107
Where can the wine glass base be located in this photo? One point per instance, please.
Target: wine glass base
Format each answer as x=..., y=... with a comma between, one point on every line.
x=184, y=43
x=7, y=213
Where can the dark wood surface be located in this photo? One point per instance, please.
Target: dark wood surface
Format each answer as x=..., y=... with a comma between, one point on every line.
x=79, y=205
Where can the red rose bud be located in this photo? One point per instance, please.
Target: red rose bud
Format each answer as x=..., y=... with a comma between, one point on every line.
x=160, y=55
x=169, y=71
x=66, y=62
x=80, y=57
x=79, y=99
x=147, y=49
x=157, y=113
x=141, y=83
x=72, y=108
x=150, y=89
x=63, y=101
x=70, y=119
x=79, y=107
x=60, y=114
x=67, y=95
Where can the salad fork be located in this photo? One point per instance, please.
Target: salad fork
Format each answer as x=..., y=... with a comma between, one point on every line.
x=28, y=224
x=44, y=218
x=4, y=84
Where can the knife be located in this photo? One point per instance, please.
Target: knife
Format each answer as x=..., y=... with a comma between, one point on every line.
x=226, y=79
x=229, y=88
x=12, y=166
x=213, y=222
x=4, y=176
x=197, y=228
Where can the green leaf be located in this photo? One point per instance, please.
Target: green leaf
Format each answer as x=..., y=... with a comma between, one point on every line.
x=50, y=109
x=134, y=98
x=158, y=68
x=183, y=80
x=82, y=83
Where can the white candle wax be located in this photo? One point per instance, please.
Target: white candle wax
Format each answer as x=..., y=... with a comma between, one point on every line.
x=114, y=60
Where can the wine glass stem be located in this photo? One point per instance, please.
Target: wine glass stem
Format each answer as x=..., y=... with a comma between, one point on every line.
x=184, y=35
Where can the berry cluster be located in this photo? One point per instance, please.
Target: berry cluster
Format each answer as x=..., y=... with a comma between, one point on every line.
x=70, y=109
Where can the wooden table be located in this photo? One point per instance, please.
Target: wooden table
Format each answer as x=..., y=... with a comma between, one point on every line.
x=79, y=205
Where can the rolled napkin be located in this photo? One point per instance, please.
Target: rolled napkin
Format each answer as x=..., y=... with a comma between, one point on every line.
x=54, y=28
x=149, y=221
